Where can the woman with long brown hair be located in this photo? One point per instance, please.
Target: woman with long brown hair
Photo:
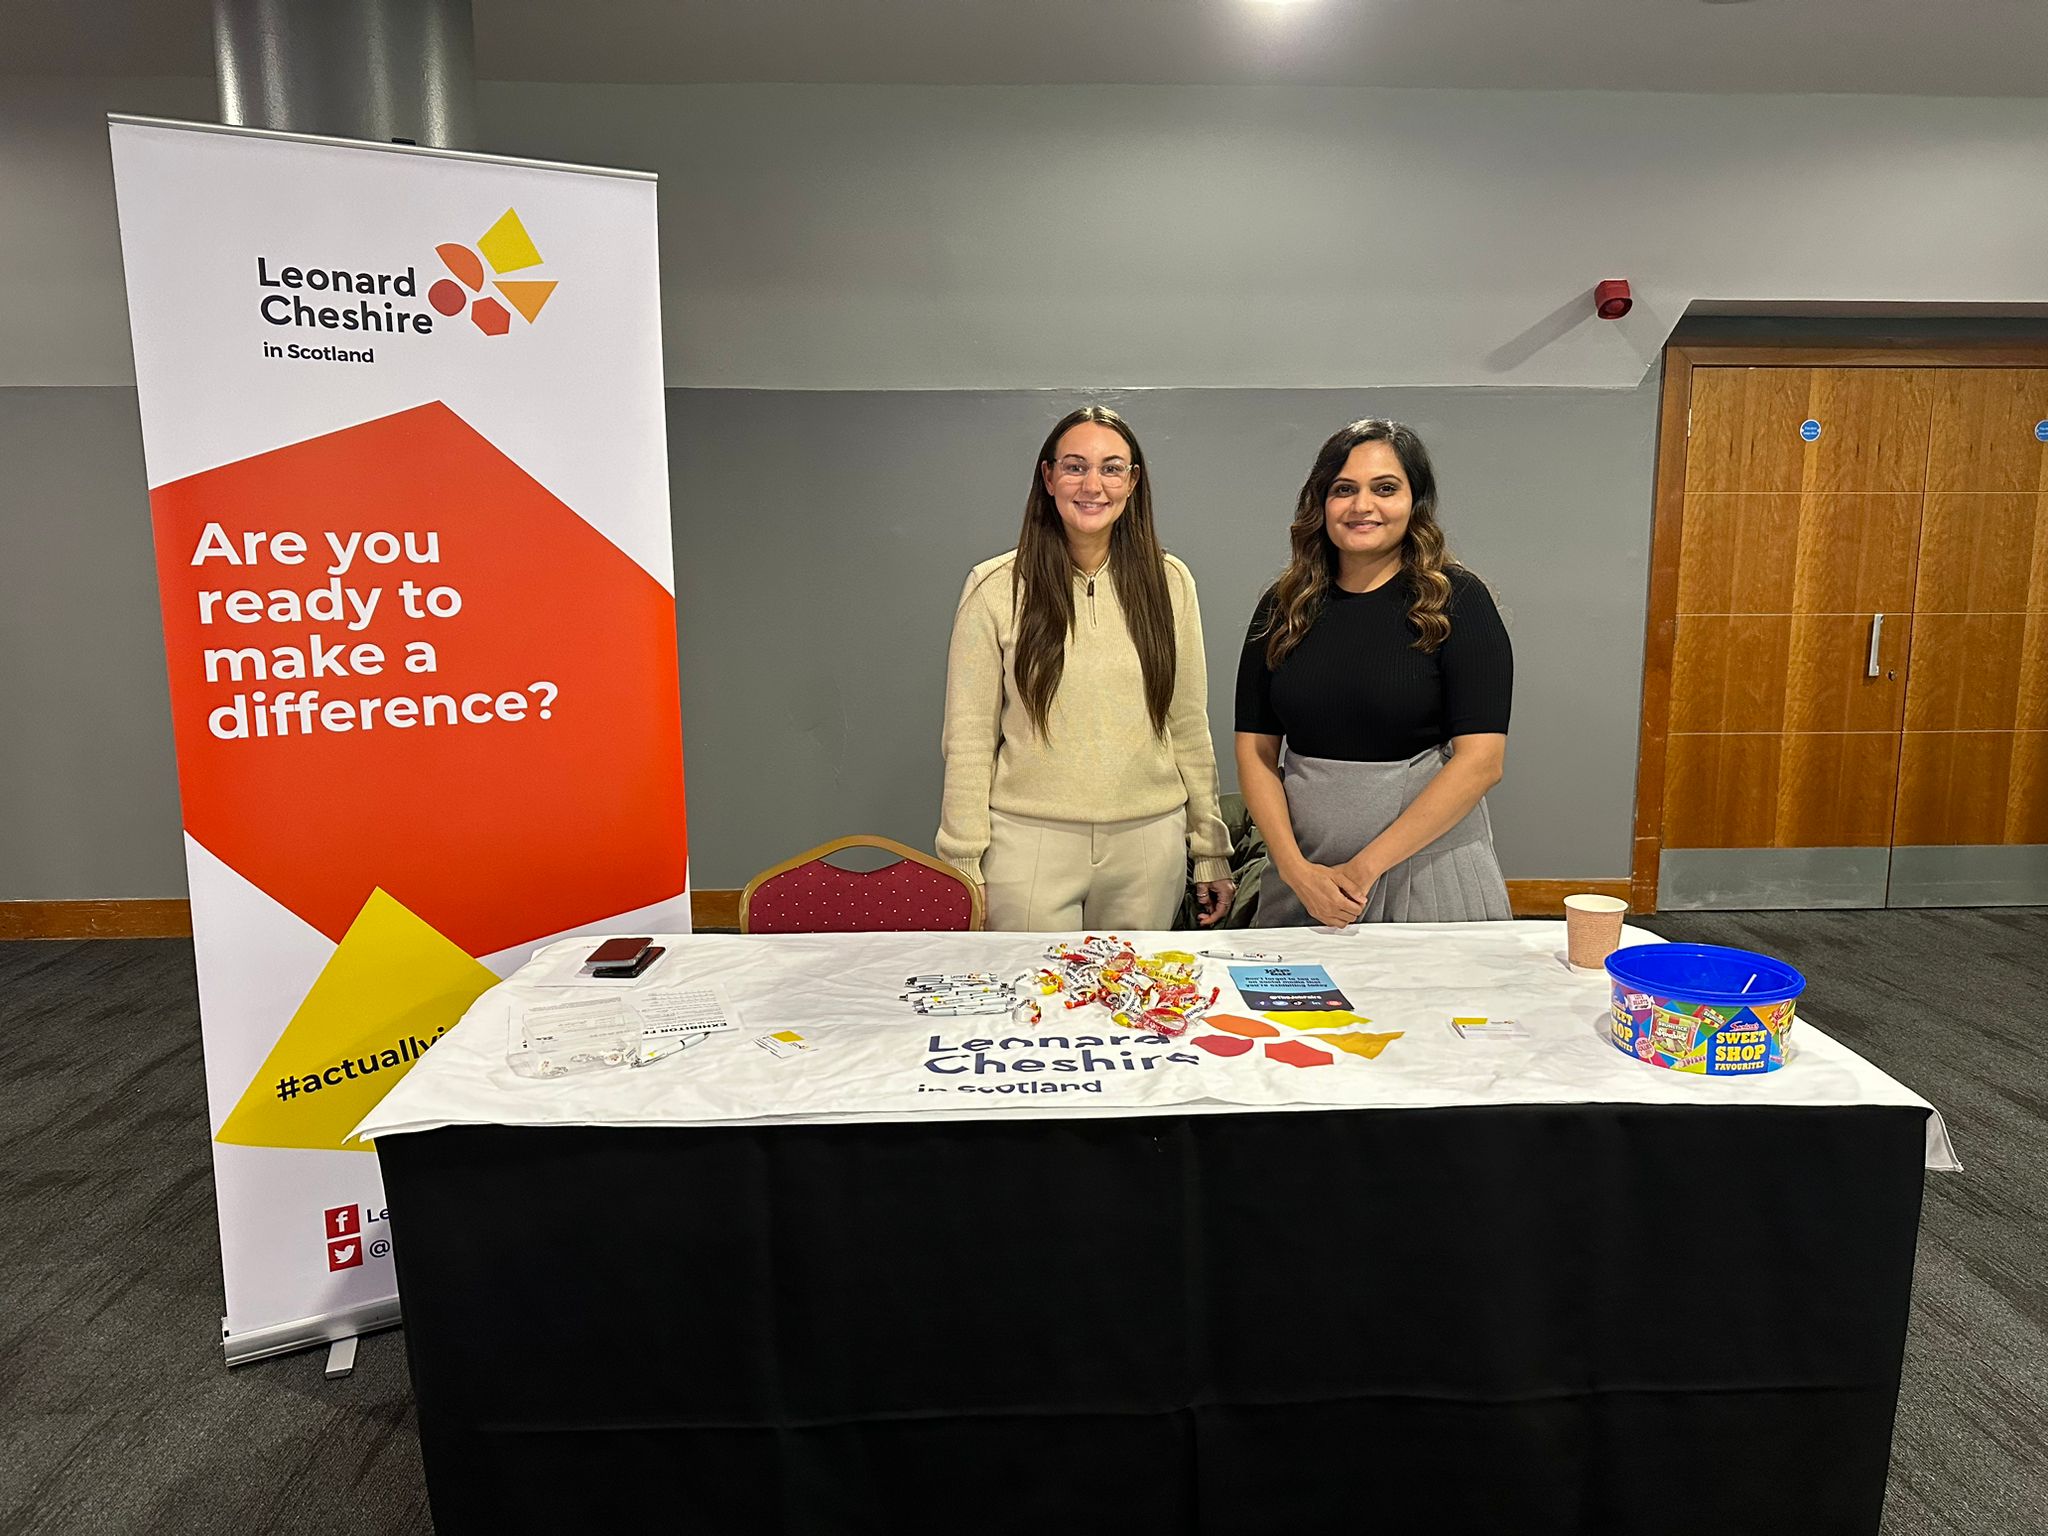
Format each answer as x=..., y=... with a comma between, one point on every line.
x=1383, y=666
x=1079, y=770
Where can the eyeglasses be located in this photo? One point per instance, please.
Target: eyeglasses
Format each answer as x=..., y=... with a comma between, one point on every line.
x=1113, y=471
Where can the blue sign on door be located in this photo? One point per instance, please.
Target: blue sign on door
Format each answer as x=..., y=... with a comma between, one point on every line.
x=2041, y=430
x=1809, y=429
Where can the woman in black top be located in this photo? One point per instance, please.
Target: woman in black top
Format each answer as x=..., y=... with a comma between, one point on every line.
x=1383, y=666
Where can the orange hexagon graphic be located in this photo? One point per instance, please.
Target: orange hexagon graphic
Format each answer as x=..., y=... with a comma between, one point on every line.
x=1297, y=1054
x=544, y=791
x=491, y=317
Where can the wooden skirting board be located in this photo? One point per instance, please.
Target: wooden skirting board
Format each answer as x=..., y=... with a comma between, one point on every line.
x=1545, y=898
x=715, y=910
x=144, y=918
x=171, y=918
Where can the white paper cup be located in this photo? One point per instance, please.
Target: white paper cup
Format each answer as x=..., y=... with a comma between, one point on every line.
x=1592, y=929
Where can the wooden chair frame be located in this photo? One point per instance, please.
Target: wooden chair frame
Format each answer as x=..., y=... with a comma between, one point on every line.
x=884, y=844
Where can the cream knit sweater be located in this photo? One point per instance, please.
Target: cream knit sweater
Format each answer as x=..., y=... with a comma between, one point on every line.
x=1101, y=760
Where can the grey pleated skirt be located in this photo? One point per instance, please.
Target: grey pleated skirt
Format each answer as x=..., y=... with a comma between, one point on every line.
x=1338, y=807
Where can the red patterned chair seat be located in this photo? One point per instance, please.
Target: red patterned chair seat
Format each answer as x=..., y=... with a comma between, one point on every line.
x=916, y=893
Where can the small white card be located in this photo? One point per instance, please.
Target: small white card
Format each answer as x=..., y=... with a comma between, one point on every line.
x=784, y=1043
x=1474, y=1027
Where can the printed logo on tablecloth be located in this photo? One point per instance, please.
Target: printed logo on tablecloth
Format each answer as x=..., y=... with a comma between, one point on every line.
x=1054, y=1061
x=342, y=1221
x=1304, y=1020
x=1048, y=1060
x=1239, y=1036
x=507, y=247
x=347, y=1253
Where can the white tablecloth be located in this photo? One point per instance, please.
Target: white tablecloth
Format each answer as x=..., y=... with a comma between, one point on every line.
x=873, y=1058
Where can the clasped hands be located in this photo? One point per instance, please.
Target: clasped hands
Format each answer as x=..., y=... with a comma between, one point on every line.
x=1212, y=901
x=1334, y=894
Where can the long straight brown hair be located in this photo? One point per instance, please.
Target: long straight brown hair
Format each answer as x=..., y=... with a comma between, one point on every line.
x=1044, y=592
x=1304, y=587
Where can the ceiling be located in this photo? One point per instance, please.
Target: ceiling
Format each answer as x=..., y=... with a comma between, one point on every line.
x=1891, y=47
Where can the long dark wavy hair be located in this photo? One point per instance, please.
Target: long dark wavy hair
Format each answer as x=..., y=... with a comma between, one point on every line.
x=1044, y=596
x=1304, y=587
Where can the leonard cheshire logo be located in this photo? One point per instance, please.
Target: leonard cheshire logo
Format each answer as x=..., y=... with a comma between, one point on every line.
x=508, y=248
x=373, y=303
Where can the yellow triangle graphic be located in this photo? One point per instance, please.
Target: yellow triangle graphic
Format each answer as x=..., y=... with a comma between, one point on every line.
x=390, y=989
x=1368, y=1046
x=1336, y=1018
x=527, y=296
x=507, y=246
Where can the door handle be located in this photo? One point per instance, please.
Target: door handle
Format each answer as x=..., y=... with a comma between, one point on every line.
x=1876, y=639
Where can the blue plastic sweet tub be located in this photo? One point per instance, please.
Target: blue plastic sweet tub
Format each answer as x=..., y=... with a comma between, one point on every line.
x=1703, y=1008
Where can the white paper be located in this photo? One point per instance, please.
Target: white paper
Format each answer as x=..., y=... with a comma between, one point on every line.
x=587, y=1033
x=670, y=1016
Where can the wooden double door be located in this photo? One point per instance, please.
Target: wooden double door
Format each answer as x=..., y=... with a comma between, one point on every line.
x=1859, y=672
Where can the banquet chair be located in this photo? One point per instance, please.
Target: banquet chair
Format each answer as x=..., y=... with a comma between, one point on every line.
x=913, y=893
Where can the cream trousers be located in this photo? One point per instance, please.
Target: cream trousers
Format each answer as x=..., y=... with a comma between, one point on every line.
x=1063, y=876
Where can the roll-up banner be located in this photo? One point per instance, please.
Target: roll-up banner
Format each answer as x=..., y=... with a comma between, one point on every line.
x=402, y=419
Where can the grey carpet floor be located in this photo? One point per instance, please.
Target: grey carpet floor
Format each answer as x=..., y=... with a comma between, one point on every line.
x=1955, y=1005
x=116, y=1414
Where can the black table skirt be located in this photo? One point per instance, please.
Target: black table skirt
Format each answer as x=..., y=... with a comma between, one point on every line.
x=1515, y=1321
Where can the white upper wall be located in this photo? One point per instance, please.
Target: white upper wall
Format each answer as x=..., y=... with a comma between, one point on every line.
x=920, y=237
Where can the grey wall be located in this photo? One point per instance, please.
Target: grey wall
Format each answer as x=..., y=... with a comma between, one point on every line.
x=88, y=786
x=838, y=237
x=928, y=237
x=63, y=311
x=821, y=540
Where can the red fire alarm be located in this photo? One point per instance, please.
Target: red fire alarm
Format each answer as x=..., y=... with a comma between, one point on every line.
x=1611, y=298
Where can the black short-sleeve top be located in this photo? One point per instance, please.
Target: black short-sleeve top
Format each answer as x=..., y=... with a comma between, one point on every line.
x=1357, y=690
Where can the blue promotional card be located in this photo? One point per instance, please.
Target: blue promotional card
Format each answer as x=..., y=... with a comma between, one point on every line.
x=1287, y=989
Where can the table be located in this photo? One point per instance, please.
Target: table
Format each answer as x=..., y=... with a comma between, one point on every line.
x=1508, y=1311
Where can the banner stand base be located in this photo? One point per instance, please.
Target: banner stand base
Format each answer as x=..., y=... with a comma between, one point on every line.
x=309, y=1332
x=341, y=1358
